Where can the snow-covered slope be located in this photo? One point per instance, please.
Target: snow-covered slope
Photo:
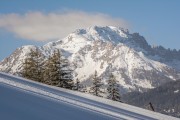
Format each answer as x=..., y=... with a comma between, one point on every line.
x=24, y=99
x=135, y=64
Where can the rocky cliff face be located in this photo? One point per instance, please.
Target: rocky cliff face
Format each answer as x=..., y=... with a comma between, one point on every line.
x=136, y=65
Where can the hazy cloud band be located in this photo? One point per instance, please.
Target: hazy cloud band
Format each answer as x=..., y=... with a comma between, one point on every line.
x=40, y=26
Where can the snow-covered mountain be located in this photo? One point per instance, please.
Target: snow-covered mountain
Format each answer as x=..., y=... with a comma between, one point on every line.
x=136, y=65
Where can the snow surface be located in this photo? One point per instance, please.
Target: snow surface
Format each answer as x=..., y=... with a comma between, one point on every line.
x=176, y=91
x=25, y=99
x=17, y=104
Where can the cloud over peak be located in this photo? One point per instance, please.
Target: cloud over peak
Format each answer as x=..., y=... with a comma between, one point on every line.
x=40, y=26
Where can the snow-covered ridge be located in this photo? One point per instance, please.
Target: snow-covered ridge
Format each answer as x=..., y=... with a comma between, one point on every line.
x=84, y=101
x=136, y=65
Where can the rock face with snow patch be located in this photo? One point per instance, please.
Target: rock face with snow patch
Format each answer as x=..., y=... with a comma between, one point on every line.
x=136, y=65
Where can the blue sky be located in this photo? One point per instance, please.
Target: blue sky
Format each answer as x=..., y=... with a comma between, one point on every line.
x=156, y=20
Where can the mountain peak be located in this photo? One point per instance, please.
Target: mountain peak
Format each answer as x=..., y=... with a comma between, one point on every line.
x=104, y=33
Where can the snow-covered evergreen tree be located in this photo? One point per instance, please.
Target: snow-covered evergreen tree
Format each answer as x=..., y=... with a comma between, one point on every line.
x=96, y=87
x=112, y=89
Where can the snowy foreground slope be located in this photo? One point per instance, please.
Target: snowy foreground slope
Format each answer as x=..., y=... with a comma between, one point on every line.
x=24, y=99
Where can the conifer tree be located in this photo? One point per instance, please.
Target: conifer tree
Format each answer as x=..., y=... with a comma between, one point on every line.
x=112, y=89
x=77, y=85
x=66, y=75
x=26, y=71
x=96, y=87
x=32, y=66
x=54, y=68
x=46, y=72
x=84, y=89
x=38, y=65
x=57, y=71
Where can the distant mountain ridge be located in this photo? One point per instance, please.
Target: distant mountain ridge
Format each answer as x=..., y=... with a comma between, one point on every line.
x=165, y=98
x=136, y=65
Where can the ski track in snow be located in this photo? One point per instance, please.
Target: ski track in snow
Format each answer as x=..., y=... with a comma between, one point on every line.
x=91, y=103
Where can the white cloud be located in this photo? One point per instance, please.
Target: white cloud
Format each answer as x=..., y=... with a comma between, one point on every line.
x=39, y=26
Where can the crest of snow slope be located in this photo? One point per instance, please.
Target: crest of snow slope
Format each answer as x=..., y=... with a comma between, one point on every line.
x=107, y=50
